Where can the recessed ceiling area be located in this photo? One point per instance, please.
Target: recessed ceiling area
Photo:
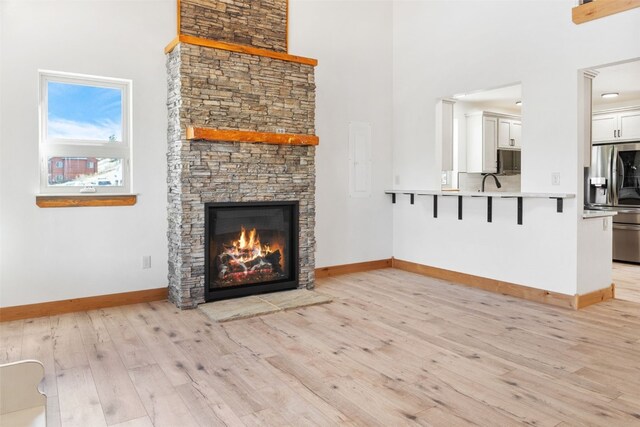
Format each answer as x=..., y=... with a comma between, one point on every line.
x=621, y=78
x=503, y=98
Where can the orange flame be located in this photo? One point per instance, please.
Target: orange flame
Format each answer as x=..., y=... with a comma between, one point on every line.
x=252, y=245
x=248, y=247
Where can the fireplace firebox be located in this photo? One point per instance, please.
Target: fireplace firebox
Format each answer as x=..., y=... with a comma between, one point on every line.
x=250, y=248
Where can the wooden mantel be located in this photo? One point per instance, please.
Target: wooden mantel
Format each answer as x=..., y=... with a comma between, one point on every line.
x=231, y=47
x=220, y=135
x=601, y=8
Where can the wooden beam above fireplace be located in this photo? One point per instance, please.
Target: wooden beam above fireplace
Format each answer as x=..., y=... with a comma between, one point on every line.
x=220, y=135
x=197, y=41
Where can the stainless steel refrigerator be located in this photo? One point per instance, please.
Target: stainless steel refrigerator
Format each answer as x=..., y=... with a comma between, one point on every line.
x=614, y=183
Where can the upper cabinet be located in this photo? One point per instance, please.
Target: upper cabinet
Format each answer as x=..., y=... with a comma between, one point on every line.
x=509, y=133
x=486, y=133
x=629, y=125
x=482, y=143
x=616, y=125
x=605, y=127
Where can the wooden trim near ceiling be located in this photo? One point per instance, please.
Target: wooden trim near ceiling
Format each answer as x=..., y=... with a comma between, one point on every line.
x=81, y=304
x=492, y=285
x=179, y=18
x=85, y=201
x=239, y=48
x=221, y=135
x=601, y=8
x=357, y=267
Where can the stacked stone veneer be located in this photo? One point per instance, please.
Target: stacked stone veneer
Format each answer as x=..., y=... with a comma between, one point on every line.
x=224, y=90
x=228, y=90
x=259, y=23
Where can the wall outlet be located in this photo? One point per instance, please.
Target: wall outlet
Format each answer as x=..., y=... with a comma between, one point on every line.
x=146, y=261
x=605, y=224
x=555, y=178
x=279, y=130
x=396, y=180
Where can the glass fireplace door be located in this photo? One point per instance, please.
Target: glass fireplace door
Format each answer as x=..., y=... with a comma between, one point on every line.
x=251, y=248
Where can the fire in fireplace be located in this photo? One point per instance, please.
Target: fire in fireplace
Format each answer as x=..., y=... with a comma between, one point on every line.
x=250, y=248
x=247, y=260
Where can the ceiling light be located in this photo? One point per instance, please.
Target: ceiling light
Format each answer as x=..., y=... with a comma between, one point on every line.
x=518, y=103
x=610, y=95
x=460, y=95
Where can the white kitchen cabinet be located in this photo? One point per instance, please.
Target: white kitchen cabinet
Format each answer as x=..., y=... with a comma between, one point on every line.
x=516, y=133
x=604, y=128
x=616, y=125
x=482, y=143
x=490, y=139
x=509, y=133
x=630, y=125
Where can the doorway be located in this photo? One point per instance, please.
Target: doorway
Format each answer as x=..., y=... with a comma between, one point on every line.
x=616, y=130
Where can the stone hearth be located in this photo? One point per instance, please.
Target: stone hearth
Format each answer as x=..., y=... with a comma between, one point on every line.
x=220, y=89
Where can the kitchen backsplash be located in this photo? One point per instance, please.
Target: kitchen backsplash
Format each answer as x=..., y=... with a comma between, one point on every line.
x=473, y=182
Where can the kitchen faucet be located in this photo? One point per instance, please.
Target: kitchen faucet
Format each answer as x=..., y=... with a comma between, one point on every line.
x=494, y=177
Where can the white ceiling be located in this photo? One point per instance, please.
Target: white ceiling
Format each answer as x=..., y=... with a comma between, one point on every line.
x=621, y=78
x=503, y=98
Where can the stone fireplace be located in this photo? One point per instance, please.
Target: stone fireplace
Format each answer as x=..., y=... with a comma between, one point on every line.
x=241, y=129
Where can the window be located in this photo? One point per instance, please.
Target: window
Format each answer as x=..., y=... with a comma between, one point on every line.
x=85, y=133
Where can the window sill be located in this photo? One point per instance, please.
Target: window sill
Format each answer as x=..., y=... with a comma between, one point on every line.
x=88, y=200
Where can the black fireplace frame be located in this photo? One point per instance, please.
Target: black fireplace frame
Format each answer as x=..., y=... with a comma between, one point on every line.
x=256, y=288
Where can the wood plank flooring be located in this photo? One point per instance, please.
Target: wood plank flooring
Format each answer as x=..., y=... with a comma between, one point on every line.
x=627, y=280
x=394, y=348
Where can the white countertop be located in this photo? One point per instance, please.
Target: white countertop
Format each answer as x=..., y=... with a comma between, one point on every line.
x=500, y=194
x=597, y=214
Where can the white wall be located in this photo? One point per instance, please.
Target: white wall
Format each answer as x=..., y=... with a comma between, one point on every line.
x=438, y=48
x=1, y=147
x=443, y=47
x=53, y=254
x=353, y=44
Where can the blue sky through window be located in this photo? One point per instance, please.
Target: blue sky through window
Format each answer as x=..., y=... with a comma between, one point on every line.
x=84, y=112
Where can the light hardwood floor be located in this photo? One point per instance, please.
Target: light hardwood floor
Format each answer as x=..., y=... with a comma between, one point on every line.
x=394, y=348
x=627, y=280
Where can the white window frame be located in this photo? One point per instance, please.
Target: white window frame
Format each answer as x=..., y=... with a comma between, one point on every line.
x=57, y=147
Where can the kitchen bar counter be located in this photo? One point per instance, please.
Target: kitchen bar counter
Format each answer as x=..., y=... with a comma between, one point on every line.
x=497, y=194
x=489, y=195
